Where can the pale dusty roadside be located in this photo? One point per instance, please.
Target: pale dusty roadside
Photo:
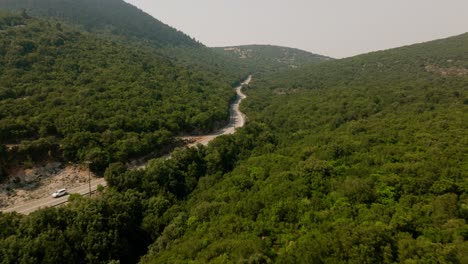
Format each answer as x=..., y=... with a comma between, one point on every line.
x=39, y=182
x=34, y=205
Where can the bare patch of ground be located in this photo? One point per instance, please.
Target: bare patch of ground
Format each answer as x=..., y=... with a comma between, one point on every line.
x=452, y=71
x=26, y=184
x=11, y=146
x=243, y=54
x=284, y=91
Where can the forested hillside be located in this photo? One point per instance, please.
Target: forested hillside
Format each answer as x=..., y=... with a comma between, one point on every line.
x=119, y=21
x=268, y=59
x=361, y=160
x=368, y=166
x=67, y=94
x=112, y=17
x=366, y=162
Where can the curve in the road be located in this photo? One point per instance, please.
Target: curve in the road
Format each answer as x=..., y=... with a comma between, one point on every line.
x=236, y=120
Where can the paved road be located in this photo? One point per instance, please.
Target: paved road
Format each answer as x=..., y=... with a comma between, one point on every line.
x=35, y=205
x=237, y=119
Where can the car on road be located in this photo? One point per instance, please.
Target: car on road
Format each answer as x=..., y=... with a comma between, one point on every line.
x=59, y=193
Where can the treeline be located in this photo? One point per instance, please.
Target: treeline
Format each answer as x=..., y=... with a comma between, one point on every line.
x=94, y=99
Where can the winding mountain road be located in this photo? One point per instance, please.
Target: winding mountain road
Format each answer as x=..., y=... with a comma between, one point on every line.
x=236, y=120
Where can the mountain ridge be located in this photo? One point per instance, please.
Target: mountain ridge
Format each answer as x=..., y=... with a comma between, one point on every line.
x=105, y=16
x=271, y=58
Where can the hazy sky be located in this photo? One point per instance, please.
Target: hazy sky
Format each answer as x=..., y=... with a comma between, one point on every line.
x=337, y=28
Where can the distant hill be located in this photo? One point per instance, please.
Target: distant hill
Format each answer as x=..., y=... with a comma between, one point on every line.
x=439, y=58
x=267, y=58
x=114, y=17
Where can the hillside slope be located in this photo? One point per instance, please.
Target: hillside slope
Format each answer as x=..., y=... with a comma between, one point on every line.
x=365, y=161
x=445, y=57
x=359, y=165
x=114, y=17
x=96, y=99
x=119, y=21
x=268, y=58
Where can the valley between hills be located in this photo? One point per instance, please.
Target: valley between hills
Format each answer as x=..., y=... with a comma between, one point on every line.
x=355, y=160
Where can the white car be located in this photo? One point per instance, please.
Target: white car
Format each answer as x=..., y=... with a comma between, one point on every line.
x=59, y=193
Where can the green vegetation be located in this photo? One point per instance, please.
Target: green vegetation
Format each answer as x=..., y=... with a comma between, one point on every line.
x=269, y=59
x=361, y=160
x=121, y=22
x=105, y=17
x=139, y=208
x=66, y=92
x=368, y=165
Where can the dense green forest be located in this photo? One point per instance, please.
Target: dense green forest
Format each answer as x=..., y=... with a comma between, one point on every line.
x=106, y=17
x=64, y=92
x=268, y=59
x=120, y=222
x=121, y=104
x=121, y=22
x=367, y=163
x=362, y=160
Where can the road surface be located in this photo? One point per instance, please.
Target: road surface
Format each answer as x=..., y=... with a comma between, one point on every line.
x=35, y=205
x=236, y=120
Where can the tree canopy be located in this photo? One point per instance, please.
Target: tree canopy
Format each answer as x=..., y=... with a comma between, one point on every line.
x=361, y=160
x=63, y=89
x=368, y=165
x=111, y=17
